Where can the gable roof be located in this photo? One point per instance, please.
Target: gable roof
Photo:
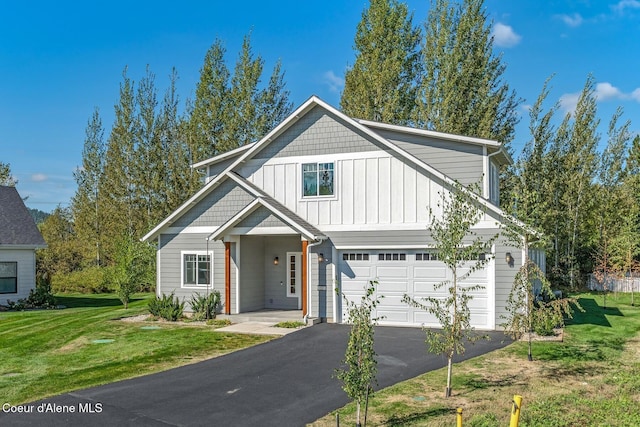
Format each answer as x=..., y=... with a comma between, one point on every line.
x=366, y=127
x=17, y=227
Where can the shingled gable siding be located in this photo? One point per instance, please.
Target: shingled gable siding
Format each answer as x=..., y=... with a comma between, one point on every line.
x=462, y=162
x=171, y=247
x=215, y=169
x=261, y=217
x=317, y=133
x=217, y=207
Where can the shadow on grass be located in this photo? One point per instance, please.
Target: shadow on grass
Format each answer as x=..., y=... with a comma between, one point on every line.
x=73, y=301
x=593, y=313
x=397, y=421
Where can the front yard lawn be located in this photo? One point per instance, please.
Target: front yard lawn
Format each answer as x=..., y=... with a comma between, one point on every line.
x=49, y=352
x=590, y=379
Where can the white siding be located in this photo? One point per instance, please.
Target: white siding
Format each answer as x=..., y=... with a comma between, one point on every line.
x=371, y=188
x=26, y=260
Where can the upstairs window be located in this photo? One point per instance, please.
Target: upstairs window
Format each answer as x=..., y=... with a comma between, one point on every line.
x=317, y=179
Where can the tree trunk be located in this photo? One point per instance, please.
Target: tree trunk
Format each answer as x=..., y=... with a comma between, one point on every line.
x=447, y=392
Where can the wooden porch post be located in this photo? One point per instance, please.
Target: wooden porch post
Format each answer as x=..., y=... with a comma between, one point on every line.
x=305, y=243
x=227, y=277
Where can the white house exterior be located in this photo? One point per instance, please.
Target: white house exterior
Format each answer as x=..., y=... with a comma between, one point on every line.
x=19, y=238
x=326, y=202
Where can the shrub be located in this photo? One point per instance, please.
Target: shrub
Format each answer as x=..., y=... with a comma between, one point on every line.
x=40, y=297
x=205, y=307
x=167, y=307
x=90, y=280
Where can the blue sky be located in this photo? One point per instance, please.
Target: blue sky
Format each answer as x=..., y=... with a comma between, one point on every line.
x=60, y=60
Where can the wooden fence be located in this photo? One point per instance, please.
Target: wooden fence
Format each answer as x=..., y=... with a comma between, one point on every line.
x=615, y=284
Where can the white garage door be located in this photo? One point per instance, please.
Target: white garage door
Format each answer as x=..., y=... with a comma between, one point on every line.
x=411, y=272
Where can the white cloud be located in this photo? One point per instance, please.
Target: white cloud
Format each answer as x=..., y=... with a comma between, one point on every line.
x=574, y=20
x=334, y=82
x=39, y=177
x=604, y=91
x=626, y=4
x=504, y=36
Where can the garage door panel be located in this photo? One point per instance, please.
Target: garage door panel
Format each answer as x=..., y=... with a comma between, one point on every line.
x=356, y=271
x=385, y=272
x=390, y=300
x=354, y=286
x=480, y=303
x=426, y=288
x=393, y=316
x=436, y=272
x=425, y=318
x=392, y=286
x=480, y=319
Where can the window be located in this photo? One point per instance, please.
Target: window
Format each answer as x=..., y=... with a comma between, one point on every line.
x=494, y=184
x=355, y=257
x=317, y=179
x=8, y=277
x=392, y=257
x=195, y=268
x=427, y=256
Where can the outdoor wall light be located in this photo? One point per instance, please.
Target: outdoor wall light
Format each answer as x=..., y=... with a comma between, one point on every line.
x=320, y=257
x=276, y=261
x=508, y=258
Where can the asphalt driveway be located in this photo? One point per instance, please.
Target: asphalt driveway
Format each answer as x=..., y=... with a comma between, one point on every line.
x=285, y=382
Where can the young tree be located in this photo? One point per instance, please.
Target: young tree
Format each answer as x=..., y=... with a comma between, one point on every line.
x=382, y=84
x=463, y=252
x=133, y=269
x=361, y=366
x=463, y=91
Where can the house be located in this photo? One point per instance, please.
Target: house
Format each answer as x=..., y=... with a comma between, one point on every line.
x=325, y=202
x=19, y=239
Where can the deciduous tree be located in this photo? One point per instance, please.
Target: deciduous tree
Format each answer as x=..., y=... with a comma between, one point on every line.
x=382, y=83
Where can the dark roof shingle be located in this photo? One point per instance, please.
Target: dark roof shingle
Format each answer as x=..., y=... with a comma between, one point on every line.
x=16, y=224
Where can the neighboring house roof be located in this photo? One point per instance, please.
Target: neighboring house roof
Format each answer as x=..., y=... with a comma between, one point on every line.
x=367, y=127
x=17, y=227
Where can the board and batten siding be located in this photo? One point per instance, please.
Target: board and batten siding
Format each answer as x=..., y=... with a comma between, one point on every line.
x=457, y=160
x=170, y=247
x=26, y=265
x=370, y=188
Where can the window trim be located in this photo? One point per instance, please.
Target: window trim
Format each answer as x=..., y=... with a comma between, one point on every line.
x=297, y=275
x=317, y=172
x=15, y=263
x=184, y=285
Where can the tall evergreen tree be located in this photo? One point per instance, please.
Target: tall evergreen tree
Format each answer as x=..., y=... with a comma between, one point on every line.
x=273, y=102
x=382, y=84
x=463, y=91
x=579, y=132
x=86, y=204
x=208, y=114
x=117, y=184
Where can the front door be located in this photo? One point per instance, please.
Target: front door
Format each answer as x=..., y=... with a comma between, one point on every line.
x=294, y=276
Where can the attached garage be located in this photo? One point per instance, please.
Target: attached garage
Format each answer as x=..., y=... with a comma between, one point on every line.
x=412, y=272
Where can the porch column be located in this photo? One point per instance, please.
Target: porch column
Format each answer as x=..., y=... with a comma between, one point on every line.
x=227, y=277
x=305, y=243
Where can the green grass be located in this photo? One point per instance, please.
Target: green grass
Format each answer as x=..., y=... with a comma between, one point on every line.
x=48, y=352
x=592, y=378
x=290, y=324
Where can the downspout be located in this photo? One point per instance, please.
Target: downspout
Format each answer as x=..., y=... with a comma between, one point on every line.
x=308, y=255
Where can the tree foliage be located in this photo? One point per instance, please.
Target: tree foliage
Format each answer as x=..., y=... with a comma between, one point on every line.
x=463, y=252
x=382, y=83
x=5, y=175
x=463, y=90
